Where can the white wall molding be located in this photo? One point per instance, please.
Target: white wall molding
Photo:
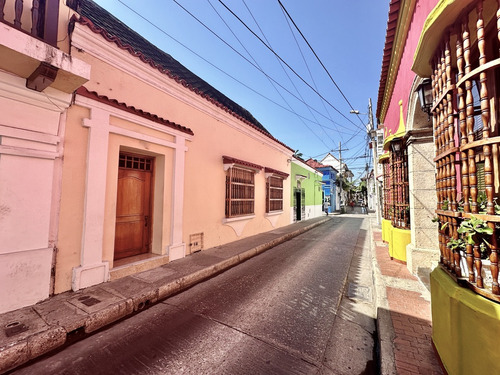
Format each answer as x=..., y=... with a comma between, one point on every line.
x=93, y=270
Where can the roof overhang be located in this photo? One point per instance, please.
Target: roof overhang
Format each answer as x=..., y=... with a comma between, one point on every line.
x=445, y=14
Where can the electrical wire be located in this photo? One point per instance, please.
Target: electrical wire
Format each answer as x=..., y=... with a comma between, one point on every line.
x=232, y=77
x=287, y=65
x=317, y=57
x=247, y=60
x=288, y=76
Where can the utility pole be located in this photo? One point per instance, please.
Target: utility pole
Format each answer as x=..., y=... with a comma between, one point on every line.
x=340, y=174
x=373, y=136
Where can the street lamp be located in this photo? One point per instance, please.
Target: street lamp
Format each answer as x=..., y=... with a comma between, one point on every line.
x=373, y=137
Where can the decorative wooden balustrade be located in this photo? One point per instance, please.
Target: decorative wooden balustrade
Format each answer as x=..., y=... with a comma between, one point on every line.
x=400, y=200
x=387, y=195
x=465, y=115
x=39, y=18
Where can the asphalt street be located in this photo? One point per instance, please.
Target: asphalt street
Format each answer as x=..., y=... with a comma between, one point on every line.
x=281, y=312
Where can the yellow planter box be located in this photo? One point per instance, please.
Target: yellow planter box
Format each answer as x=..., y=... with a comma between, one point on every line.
x=399, y=238
x=465, y=327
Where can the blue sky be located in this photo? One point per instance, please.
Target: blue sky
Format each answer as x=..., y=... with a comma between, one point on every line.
x=296, y=98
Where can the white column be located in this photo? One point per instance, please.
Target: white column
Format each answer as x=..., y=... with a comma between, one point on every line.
x=92, y=269
x=177, y=249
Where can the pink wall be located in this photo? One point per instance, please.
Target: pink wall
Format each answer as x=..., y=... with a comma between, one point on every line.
x=405, y=76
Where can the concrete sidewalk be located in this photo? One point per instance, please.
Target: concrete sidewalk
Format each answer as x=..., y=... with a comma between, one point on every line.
x=32, y=331
x=404, y=321
x=402, y=302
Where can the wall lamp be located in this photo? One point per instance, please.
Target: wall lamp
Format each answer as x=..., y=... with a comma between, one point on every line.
x=396, y=145
x=424, y=91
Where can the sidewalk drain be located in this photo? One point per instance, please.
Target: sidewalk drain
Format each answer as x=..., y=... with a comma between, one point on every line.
x=88, y=300
x=15, y=328
x=355, y=291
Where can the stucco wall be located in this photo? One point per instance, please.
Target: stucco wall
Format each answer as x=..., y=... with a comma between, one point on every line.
x=30, y=128
x=189, y=177
x=312, y=186
x=405, y=76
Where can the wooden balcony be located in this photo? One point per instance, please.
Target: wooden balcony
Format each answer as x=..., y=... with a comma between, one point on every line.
x=38, y=18
x=467, y=143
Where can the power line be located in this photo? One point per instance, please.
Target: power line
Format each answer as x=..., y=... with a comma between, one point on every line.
x=255, y=64
x=232, y=77
x=288, y=76
x=287, y=65
x=319, y=60
x=308, y=69
x=256, y=67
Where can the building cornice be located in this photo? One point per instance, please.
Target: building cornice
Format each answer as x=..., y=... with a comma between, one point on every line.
x=398, y=25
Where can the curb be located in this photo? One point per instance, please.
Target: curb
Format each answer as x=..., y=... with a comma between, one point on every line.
x=385, y=330
x=56, y=334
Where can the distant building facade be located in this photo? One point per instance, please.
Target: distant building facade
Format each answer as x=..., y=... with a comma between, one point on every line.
x=306, y=191
x=330, y=188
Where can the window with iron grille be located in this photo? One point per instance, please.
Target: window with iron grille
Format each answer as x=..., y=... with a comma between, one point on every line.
x=400, y=204
x=387, y=196
x=240, y=192
x=274, y=194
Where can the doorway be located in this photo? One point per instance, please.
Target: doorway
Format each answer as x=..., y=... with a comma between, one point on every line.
x=133, y=206
x=298, y=205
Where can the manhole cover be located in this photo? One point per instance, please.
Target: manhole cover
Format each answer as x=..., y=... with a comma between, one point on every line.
x=355, y=291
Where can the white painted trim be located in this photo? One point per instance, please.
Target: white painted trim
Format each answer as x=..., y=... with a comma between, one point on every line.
x=177, y=247
x=136, y=119
x=90, y=274
x=14, y=88
x=177, y=251
x=91, y=262
x=25, y=44
x=238, y=223
x=38, y=154
x=83, y=38
x=227, y=220
x=95, y=191
x=17, y=133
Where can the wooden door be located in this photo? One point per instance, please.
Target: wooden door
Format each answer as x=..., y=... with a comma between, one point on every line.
x=133, y=207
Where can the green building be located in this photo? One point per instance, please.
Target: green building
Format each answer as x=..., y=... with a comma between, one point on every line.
x=306, y=193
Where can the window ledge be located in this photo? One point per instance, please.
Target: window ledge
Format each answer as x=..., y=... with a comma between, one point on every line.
x=274, y=213
x=237, y=218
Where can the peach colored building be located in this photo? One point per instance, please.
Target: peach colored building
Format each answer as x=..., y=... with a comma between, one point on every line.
x=147, y=163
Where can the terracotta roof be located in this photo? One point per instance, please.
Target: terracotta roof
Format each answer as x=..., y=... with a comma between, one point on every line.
x=113, y=30
x=231, y=160
x=276, y=172
x=104, y=99
x=315, y=164
x=392, y=24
